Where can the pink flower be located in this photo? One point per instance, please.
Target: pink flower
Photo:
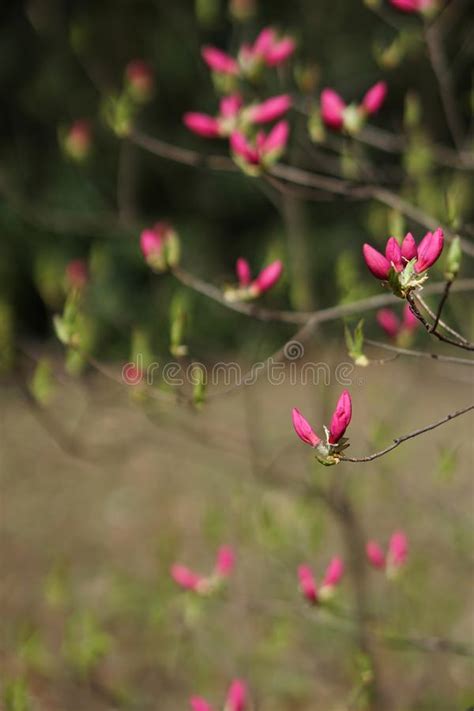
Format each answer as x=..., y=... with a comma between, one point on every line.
x=374, y=97
x=307, y=583
x=244, y=274
x=332, y=109
x=334, y=573
x=270, y=109
x=202, y=124
x=186, y=578
x=408, y=249
x=341, y=418
x=225, y=561
x=265, y=149
x=389, y=321
x=303, y=429
x=140, y=78
x=398, y=549
x=376, y=262
x=230, y=106
x=199, y=704
x=268, y=277
x=77, y=273
x=267, y=49
x=375, y=554
x=151, y=242
x=429, y=250
x=160, y=246
x=219, y=61
x=236, y=696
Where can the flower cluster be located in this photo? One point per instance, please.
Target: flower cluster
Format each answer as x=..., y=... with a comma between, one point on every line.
x=398, y=330
x=338, y=115
x=331, y=580
x=190, y=580
x=249, y=288
x=396, y=554
x=236, y=699
x=160, y=246
x=330, y=451
x=404, y=266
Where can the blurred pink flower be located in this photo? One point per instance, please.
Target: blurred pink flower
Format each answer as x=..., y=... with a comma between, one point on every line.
x=334, y=573
x=225, y=561
x=215, y=126
x=375, y=554
x=202, y=124
x=412, y=5
x=78, y=139
x=77, y=273
x=332, y=109
x=389, y=321
x=244, y=274
x=307, y=583
x=336, y=114
x=140, y=79
x=269, y=110
x=219, y=61
x=186, y=578
x=236, y=696
x=331, y=580
x=199, y=704
x=267, y=49
x=409, y=320
x=266, y=148
x=396, y=556
x=268, y=277
x=374, y=97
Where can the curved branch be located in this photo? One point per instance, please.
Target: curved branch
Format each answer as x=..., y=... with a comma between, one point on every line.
x=420, y=354
x=440, y=336
x=404, y=438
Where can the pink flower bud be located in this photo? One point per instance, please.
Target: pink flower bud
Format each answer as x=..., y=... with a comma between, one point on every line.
x=280, y=51
x=244, y=274
x=219, y=61
x=376, y=262
x=264, y=42
x=307, y=583
x=410, y=5
x=202, y=124
x=199, y=704
x=375, y=97
x=230, y=106
x=334, y=572
x=393, y=253
x=225, y=561
x=77, y=273
x=277, y=138
x=268, y=277
x=242, y=148
x=389, y=321
x=410, y=322
x=409, y=250
x=332, y=109
x=375, y=555
x=236, y=696
x=429, y=250
x=185, y=578
x=398, y=548
x=78, y=140
x=270, y=109
x=303, y=429
x=140, y=78
x=341, y=418
x=151, y=243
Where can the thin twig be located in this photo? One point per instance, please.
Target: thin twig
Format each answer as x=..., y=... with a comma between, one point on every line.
x=441, y=304
x=440, y=336
x=420, y=354
x=399, y=440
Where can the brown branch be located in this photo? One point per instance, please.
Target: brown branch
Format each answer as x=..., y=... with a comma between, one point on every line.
x=404, y=438
x=441, y=304
x=440, y=336
x=442, y=324
x=420, y=354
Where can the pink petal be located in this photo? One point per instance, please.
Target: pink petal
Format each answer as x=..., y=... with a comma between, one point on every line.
x=393, y=253
x=236, y=696
x=239, y=145
x=334, y=572
x=219, y=61
x=341, y=418
x=409, y=250
x=398, y=548
x=270, y=109
x=303, y=429
x=389, y=321
x=244, y=275
x=429, y=250
x=277, y=138
x=264, y=41
x=307, y=583
x=225, y=561
x=376, y=262
x=77, y=273
x=199, y=704
x=268, y=277
x=202, y=124
x=280, y=52
x=375, y=554
x=332, y=108
x=375, y=97
x=230, y=106
x=185, y=578
x=150, y=242
x=406, y=5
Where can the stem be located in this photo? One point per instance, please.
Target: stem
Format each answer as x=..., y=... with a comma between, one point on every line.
x=441, y=304
x=441, y=337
